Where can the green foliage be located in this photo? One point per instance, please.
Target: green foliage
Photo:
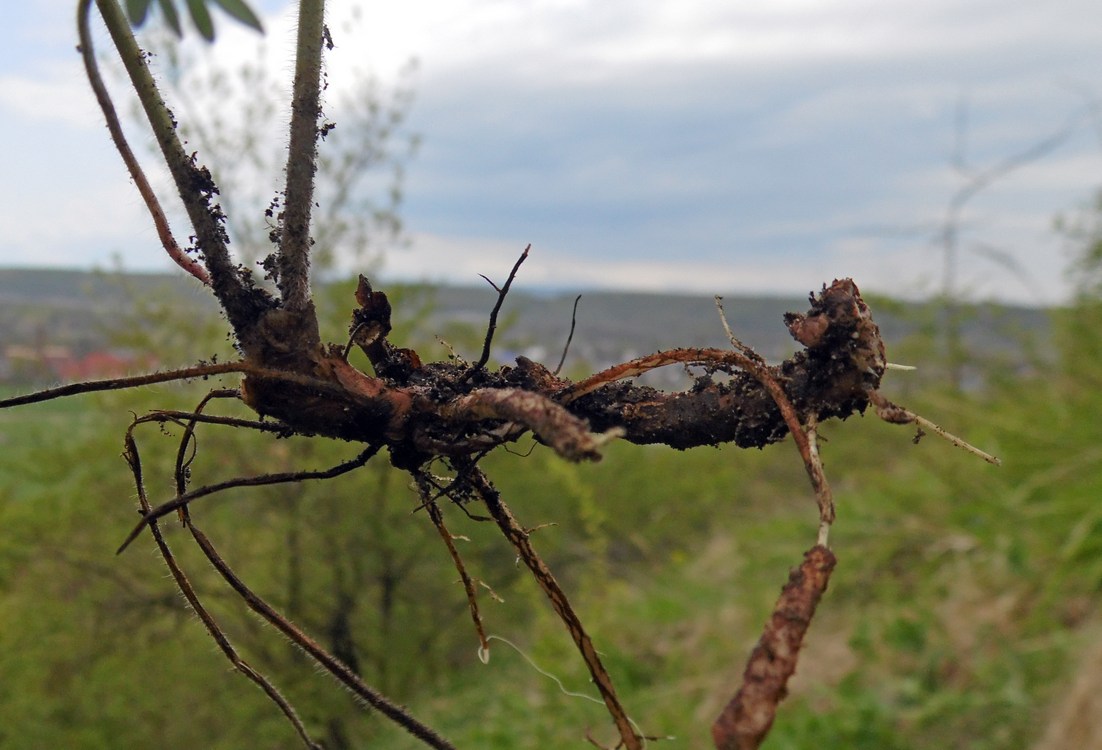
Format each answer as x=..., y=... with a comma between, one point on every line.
x=138, y=10
x=1085, y=231
x=954, y=619
x=954, y=612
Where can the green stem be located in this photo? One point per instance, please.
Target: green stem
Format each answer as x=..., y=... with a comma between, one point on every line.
x=164, y=232
x=242, y=304
x=294, y=254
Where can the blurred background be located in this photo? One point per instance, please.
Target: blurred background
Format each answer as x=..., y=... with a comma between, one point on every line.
x=945, y=157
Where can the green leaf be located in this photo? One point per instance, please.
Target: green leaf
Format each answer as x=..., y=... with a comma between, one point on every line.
x=200, y=16
x=172, y=18
x=241, y=12
x=137, y=10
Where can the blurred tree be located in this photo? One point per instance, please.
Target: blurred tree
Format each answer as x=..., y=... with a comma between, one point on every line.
x=237, y=121
x=1084, y=232
x=957, y=239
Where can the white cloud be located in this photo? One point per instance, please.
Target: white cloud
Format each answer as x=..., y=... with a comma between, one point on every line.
x=461, y=261
x=554, y=39
x=78, y=231
x=910, y=271
x=56, y=92
x=661, y=145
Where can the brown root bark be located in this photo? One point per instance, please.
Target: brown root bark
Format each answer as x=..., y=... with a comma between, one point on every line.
x=746, y=720
x=426, y=410
x=422, y=412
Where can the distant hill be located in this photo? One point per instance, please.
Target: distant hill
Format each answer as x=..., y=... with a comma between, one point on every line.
x=75, y=310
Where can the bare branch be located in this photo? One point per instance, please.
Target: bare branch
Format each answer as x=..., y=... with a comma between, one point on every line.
x=185, y=453
x=186, y=373
x=492, y=327
x=740, y=347
x=327, y=661
x=570, y=336
x=181, y=417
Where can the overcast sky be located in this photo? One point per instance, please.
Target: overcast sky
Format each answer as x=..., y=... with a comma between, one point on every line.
x=672, y=145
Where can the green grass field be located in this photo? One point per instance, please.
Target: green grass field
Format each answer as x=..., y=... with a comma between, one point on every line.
x=962, y=606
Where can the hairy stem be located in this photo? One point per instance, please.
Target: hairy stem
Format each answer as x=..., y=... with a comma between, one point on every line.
x=133, y=458
x=437, y=518
x=164, y=232
x=187, y=373
x=294, y=251
x=195, y=185
x=181, y=501
x=333, y=666
x=517, y=535
x=114, y=384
